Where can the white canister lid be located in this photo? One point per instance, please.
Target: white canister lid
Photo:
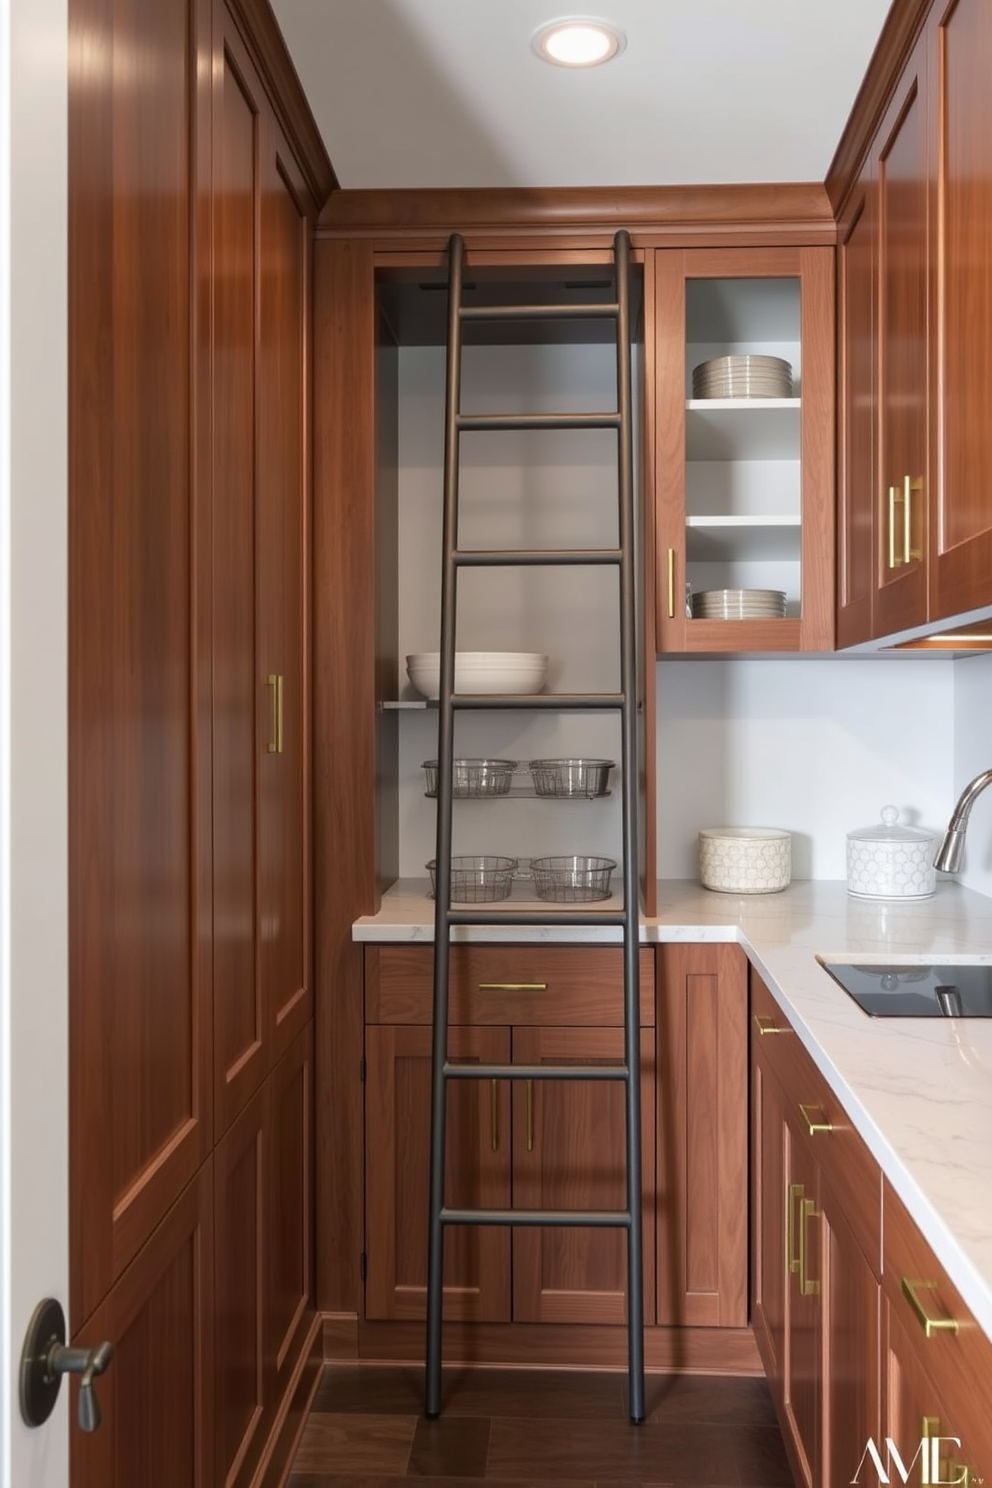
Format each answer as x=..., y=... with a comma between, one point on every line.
x=890, y=831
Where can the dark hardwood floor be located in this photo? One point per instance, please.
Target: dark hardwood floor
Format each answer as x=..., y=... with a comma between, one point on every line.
x=511, y=1427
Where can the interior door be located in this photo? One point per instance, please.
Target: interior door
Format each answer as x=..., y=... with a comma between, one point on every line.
x=33, y=840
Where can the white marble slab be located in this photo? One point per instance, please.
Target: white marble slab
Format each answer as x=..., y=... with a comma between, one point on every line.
x=918, y=1090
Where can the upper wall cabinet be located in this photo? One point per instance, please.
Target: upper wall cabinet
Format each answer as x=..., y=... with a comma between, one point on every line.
x=743, y=485
x=915, y=535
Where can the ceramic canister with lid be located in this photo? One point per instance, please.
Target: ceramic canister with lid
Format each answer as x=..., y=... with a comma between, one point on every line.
x=889, y=861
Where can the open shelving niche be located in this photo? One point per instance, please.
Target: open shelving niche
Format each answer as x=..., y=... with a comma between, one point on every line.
x=743, y=470
x=522, y=489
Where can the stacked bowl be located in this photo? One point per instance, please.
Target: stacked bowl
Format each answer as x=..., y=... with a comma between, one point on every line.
x=481, y=672
x=743, y=376
x=738, y=604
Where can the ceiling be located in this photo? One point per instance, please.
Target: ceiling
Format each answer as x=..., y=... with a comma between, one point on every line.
x=449, y=93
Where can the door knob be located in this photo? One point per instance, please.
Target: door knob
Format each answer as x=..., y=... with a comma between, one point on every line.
x=45, y=1359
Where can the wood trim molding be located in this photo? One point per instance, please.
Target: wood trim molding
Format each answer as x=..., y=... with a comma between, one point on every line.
x=263, y=38
x=902, y=26
x=799, y=210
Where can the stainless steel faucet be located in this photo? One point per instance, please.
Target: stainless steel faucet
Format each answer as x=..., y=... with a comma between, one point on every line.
x=948, y=858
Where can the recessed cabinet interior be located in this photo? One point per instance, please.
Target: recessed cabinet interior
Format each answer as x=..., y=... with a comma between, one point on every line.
x=744, y=483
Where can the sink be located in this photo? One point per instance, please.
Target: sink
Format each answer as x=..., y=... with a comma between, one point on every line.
x=915, y=989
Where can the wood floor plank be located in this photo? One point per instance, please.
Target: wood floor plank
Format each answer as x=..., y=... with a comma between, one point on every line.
x=363, y=1444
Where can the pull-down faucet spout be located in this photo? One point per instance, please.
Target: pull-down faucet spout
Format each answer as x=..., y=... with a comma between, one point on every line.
x=948, y=858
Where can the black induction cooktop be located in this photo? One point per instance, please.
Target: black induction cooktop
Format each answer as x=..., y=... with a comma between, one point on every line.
x=902, y=990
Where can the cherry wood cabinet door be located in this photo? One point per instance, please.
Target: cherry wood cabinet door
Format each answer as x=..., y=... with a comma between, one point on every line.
x=701, y=1134
x=139, y=662
x=769, y=1271
x=397, y=1169
x=857, y=411
x=960, y=45
x=803, y=1327
x=157, y=1428
x=287, y=1218
x=569, y=1152
x=850, y=1301
x=904, y=353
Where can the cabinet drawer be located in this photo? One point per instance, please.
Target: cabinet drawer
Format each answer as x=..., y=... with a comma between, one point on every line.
x=957, y=1361
x=495, y=984
x=851, y=1172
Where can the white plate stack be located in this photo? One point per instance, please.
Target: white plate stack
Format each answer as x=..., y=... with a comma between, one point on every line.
x=738, y=604
x=744, y=376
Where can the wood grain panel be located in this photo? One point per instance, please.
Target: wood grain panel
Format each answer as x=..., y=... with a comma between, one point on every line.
x=155, y=1428
x=850, y=1292
x=344, y=831
x=857, y=414
x=138, y=539
x=288, y=1213
x=569, y=1151
x=477, y=1174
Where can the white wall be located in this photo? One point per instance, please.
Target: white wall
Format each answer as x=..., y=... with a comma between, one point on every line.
x=973, y=755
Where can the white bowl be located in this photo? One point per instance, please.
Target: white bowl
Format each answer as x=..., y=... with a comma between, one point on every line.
x=480, y=672
x=745, y=860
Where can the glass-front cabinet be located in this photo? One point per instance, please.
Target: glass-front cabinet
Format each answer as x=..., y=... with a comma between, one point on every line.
x=741, y=453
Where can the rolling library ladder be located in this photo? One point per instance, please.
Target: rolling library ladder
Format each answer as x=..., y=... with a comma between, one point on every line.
x=447, y=917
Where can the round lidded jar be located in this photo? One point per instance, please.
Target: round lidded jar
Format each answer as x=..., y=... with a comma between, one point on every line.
x=745, y=860
x=888, y=861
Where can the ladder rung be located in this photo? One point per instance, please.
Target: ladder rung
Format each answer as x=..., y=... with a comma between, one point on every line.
x=535, y=557
x=536, y=1071
x=586, y=311
x=617, y=1219
x=605, y=917
x=477, y=421
x=556, y=700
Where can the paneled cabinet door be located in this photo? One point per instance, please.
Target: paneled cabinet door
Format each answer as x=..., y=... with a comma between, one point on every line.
x=916, y=1414
x=260, y=594
x=857, y=413
x=569, y=1145
x=904, y=372
x=804, y=1270
x=769, y=1272
x=155, y=1399
x=850, y=1304
x=397, y=1173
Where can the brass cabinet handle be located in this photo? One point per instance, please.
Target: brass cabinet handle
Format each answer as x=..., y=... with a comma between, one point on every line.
x=930, y=1325
x=810, y=1115
x=530, y=1115
x=494, y=1116
x=892, y=527
x=807, y=1286
x=768, y=1025
x=909, y=551
x=795, y=1192
x=274, y=680
x=671, y=583
x=513, y=986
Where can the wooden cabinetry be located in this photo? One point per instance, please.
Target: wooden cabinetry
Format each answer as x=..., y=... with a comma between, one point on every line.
x=543, y=1146
x=912, y=426
x=816, y=1255
x=190, y=1020
x=744, y=487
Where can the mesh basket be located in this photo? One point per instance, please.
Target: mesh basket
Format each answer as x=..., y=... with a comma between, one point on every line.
x=571, y=777
x=572, y=880
x=474, y=777
x=481, y=880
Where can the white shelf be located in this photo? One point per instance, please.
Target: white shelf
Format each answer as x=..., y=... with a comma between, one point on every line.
x=724, y=539
x=742, y=428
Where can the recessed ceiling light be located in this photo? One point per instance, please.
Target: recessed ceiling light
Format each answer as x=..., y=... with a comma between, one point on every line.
x=576, y=41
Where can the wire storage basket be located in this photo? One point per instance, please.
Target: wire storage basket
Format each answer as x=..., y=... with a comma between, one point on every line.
x=575, y=778
x=572, y=879
x=474, y=777
x=477, y=880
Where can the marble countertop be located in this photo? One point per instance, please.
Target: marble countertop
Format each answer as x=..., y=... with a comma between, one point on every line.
x=919, y=1091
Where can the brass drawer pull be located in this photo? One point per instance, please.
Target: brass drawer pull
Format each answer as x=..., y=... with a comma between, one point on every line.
x=814, y=1119
x=513, y=986
x=807, y=1286
x=274, y=680
x=930, y=1325
x=768, y=1025
x=795, y=1192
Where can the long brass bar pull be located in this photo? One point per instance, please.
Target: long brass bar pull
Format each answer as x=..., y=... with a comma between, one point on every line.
x=671, y=583
x=930, y=1325
x=795, y=1192
x=494, y=1116
x=808, y=1286
x=911, y=554
x=513, y=986
x=530, y=1115
x=892, y=527
x=274, y=680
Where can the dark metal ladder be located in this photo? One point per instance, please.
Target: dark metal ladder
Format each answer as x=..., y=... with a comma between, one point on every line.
x=625, y=701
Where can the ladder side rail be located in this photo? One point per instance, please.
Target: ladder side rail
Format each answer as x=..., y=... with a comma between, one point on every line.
x=442, y=877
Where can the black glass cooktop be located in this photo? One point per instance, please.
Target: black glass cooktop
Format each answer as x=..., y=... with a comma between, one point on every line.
x=909, y=991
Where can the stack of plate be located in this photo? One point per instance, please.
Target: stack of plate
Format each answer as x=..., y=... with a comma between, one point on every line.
x=742, y=377
x=738, y=604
